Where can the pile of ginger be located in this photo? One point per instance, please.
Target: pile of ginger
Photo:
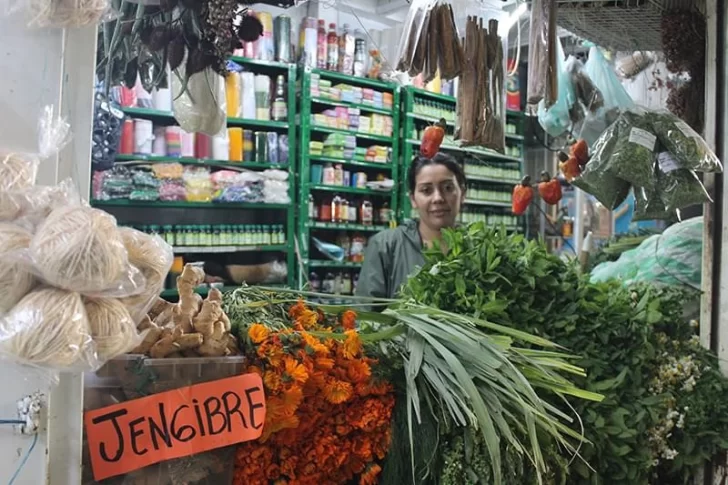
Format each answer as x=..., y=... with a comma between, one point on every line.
x=191, y=328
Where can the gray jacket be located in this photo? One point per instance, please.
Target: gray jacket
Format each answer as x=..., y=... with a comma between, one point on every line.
x=390, y=258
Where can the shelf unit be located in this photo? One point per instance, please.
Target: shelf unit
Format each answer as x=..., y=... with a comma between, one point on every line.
x=490, y=175
x=128, y=212
x=316, y=102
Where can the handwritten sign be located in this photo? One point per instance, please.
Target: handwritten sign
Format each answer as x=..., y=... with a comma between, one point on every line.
x=134, y=434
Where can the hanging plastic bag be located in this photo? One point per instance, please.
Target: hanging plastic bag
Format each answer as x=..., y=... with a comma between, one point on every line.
x=688, y=148
x=555, y=120
x=413, y=44
x=200, y=106
x=605, y=79
x=62, y=13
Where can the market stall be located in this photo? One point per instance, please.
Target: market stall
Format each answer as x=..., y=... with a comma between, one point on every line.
x=497, y=362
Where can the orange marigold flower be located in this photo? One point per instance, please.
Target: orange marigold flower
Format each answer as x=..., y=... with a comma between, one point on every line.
x=292, y=400
x=370, y=475
x=252, y=369
x=314, y=343
x=348, y=319
x=324, y=363
x=272, y=381
x=307, y=319
x=294, y=371
x=258, y=333
x=296, y=309
x=336, y=391
x=358, y=371
x=352, y=345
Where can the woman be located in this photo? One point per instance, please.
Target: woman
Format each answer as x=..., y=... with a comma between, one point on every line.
x=436, y=190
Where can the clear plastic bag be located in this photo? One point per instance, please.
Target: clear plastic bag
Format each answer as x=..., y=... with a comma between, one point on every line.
x=677, y=187
x=112, y=328
x=49, y=328
x=409, y=60
x=555, y=119
x=80, y=249
x=605, y=79
x=687, y=147
x=598, y=177
x=200, y=106
x=153, y=257
x=15, y=279
x=64, y=13
x=627, y=149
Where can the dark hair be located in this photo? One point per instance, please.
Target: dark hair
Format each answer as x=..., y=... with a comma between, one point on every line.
x=439, y=159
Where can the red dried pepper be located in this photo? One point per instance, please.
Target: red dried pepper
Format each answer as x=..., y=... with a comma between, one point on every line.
x=432, y=138
x=580, y=151
x=522, y=196
x=549, y=189
x=570, y=168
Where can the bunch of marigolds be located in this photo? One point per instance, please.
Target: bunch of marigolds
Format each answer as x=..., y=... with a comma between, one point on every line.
x=328, y=418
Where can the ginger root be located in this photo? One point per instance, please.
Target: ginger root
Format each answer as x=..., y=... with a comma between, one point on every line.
x=192, y=327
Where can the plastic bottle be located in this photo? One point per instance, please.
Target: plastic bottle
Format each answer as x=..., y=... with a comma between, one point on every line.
x=321, y=45
x=357, y=248
x=338, y=174
x=281, y=234
x=384, y=214
x=346, y=51
x=336, y=209
x=360, y=54
x=346, y=284
x=345, y=208
x=353, y=213
x=344, y=242
x=327, y=286
x=312, y=209
x=366, y=212
x=325, y=213
x=329, y=175
x=332, y=48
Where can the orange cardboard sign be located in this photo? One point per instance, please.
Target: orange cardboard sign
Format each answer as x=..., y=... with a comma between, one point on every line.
x=134, y=434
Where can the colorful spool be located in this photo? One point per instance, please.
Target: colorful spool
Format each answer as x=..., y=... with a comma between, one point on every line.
x=261, y=147
x=203, y=146
x=174, y=141
x=235, y=137
x=248, y=146
x=126, y=144
x=143, y=136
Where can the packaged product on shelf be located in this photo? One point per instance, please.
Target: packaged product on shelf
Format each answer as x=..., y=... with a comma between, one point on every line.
x=282, y=32
x=347, y=46
x=332, y=48
x=248, y=99
x=265, y=43
x=198, y=185
x=117, y=183
x=279, y=107
x=283, y=149
x=309, y=44
x=168, y=171
x=276, y=187
x=232, y=94
x=235, y=147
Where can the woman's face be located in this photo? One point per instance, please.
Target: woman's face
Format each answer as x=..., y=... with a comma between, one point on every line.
x=437, y=196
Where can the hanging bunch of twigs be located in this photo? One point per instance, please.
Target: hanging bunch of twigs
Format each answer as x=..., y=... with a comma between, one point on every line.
x=145, y=39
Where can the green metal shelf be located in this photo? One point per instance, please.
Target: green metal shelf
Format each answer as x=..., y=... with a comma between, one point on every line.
x=363, y=136
x=288, y=126
x=343, y=226
x=351, y=190
x=363, y=107
x=354, y=81
x=488, y=203
x=353, y=163
x=307, y=188
x=229, y=249
x=269, y=124
x=245, y=61
x=411, y=120
x=314, y=263
x=186, y=205
x=198, y=161
x=495, y=180
x=474, y=151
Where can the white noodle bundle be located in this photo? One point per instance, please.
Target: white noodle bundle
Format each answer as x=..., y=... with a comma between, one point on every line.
x=153, y=257
x=112, y=328
x=15, y=279
x=80, y=249
x=49, y=328
x=17, y=171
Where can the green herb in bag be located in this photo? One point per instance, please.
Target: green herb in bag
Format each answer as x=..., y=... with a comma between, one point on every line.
x=688, y=148
x=678, y=188
x=648, y=205
x=633, y=156
x=597, y=179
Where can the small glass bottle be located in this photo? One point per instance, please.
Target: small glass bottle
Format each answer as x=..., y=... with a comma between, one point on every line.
x=367, y=212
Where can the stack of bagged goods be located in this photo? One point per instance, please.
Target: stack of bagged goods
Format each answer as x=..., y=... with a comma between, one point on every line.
x=655, y=154
x=75, y=284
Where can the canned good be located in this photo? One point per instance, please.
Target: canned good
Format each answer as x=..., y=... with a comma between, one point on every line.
x=248, y=146
x=261, y=146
